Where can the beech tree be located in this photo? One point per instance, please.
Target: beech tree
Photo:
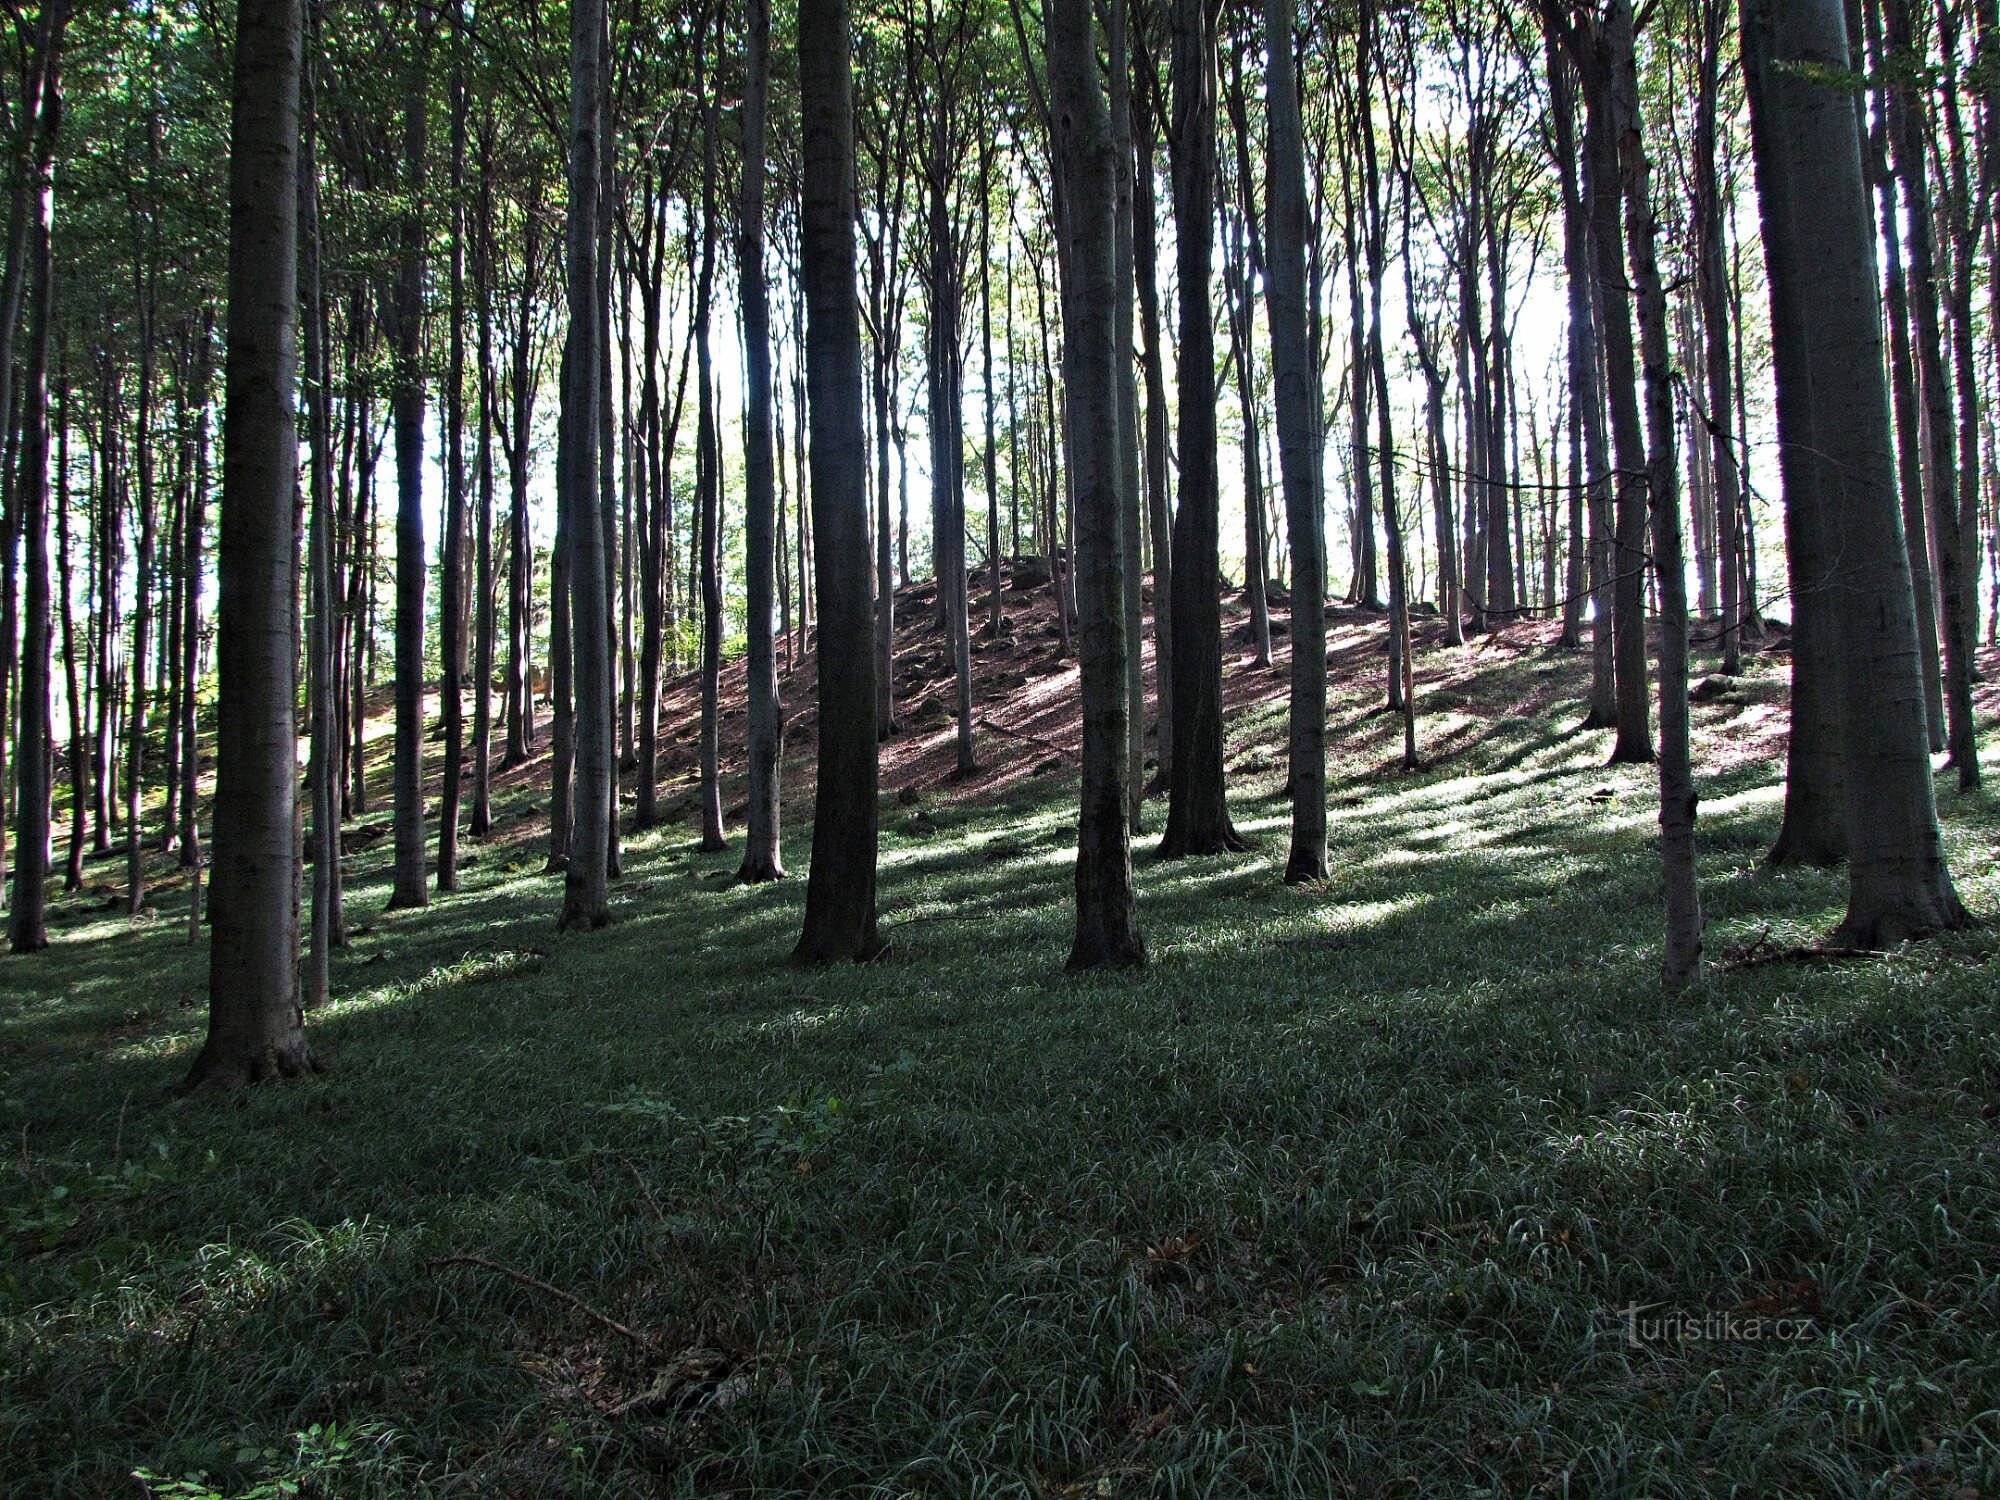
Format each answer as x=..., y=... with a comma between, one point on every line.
x=586, y=902
x=256, y=1028
x=1197, y=813
x=761, y=859
x=1107, y=922
x=1299, y=447
x=1839, y=472
x=840, y=887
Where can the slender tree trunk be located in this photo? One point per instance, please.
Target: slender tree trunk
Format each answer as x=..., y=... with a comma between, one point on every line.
x=520, y=695
x=323, y=764
x=407, y=403
x=708, y=484
x=191, y=566
x=1300, y=457
x=1903, y=382
x=840, y=891
x=451, y=569
x=142, y=612
x=1626, y=567
x=761, y=857
x=1107, y=921
x=1197, y=812
x=485, y=606
x=586, y=901
x=256, y=1027
x=1681, y=965
x=27, y=918
x=1145, y=264
x=1132, y=522
x=79, y=718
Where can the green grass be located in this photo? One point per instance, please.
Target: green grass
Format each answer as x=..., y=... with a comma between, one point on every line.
x=1343, y=1195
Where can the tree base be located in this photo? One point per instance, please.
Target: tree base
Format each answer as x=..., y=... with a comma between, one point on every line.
x=759, y=871
x=712, y=843
x=1305, y=869
x=1104, y=951
x=1875, y=931
x=274, y=1061
x=582, y=917
x=817, y=953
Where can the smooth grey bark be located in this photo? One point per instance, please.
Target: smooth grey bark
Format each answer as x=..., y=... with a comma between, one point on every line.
x=411, y=888
x=708, y=488
x=323, y=769
x=485, y=605
x=586, y=899
x=1833, y=422
x=451, y=570
x=256, y=1028
x=1897, y=314
x=1159, y=509
x=840, y=889
x=27, y=924
x=1712, y=288
x=761, y=855
x=1107, y=920
x=1301, y=458
x=1681, y=960
x=1198, y=820
x=1132, y=521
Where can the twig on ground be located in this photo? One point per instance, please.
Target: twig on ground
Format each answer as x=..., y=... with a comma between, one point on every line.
x=569, y=1299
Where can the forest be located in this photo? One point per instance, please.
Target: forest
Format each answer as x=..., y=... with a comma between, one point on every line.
x=1045, y=748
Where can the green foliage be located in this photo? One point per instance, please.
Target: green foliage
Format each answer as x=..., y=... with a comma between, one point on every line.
x=312, y=1465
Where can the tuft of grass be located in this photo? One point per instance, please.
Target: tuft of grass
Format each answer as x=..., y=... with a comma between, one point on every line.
x=1361, y=1188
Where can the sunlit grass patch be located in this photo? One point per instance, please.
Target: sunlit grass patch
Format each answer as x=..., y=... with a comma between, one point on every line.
x=1346, y=1193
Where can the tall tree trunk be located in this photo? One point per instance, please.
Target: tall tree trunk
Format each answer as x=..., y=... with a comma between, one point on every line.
x=708, y=486
x=520, y=695
x=1132, y=525
x=1681, y=964
x=1300, y=457
x=256, y=1029
x=27, y=918
x=485, y=606
x=1833, y=416
x=1145, y=265
x=1903, y=380
x=451, y=568
x=840, y=891
x=947, y=421
x=761, y=857
x=1197, y=811
x=143, y=586
x=1107, y=920
x=1711, y=278
x=586, y=900
x=323, y=769
x=1605, y=128
x=79, y=718
x=407, y=404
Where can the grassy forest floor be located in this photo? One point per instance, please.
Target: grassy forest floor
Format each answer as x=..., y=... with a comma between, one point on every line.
x=1349, y=1192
